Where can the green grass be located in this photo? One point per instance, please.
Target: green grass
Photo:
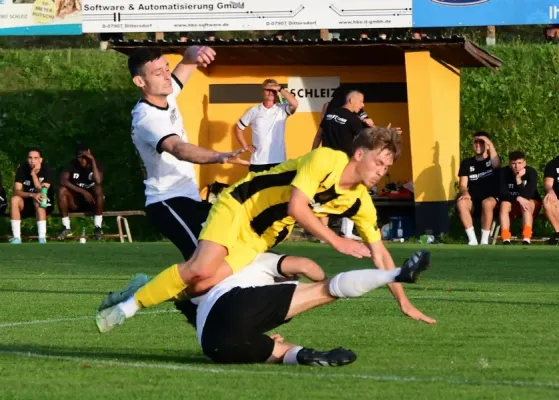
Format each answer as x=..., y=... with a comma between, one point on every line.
x=496, y=335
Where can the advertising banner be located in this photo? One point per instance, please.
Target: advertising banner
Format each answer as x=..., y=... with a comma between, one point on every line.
x=212, y=15
x=40, y=17
x=450, y=13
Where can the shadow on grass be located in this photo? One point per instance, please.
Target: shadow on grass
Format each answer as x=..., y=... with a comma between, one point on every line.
x=61, y=353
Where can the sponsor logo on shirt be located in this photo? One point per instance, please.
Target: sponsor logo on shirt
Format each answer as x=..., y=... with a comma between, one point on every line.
x=336, y=118
x=481, y=175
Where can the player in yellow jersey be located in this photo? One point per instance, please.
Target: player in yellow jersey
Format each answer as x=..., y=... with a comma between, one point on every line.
x=260, y=211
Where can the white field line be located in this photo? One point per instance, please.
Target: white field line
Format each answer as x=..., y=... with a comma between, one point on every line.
x=275, y=372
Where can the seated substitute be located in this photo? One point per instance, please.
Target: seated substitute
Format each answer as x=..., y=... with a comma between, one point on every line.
x=30, y=178
x=81, y=190
x=479, y=188
x=519, y=196
x=550, y=202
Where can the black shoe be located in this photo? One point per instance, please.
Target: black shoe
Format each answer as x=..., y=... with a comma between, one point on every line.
x=414, y=266
x=553, y=241
x=337, y=357
x=526, y=242
x=98, y=233
x=506, y=242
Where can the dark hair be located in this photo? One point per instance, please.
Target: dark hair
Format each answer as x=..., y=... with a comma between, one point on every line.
x=38, y=150
x=516, y=155
x=481, y=133
x=379, y=138
x=81, y=147
x=140, y=57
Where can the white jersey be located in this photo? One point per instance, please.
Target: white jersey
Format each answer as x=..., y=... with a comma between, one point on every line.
x=167, y=176
x=262, y=271
x=268, y=132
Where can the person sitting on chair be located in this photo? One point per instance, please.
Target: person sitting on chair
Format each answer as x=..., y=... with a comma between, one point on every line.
x=81, y=190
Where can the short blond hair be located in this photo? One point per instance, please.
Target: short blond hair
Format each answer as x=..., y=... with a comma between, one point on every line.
x=379, y=138
x=269, y=81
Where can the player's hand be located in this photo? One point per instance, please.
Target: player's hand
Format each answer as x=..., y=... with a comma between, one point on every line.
x=351, y=248
x=399, y=130
x=88, y=155
x=465, y=196
x=36, y=197
x=275, y=88
x=550, y=197
x=276, y=337
x=233, y=158
x=36, y=169
x=88, y=197
x=523, y=203
x=251, y=149
x=412, y=312
x=369, y=122
x=199, y=55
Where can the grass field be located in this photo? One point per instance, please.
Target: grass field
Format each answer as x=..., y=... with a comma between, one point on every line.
x=496, y=336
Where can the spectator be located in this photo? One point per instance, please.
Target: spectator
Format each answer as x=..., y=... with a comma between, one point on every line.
x=268, y=127
x=519, y=196
x=479, y=188
x=338, y=128
x=30, y=178
x=550, y=202
x=81, y=190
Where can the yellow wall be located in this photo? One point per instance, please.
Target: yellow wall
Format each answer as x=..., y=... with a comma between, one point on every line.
x=434, y=112
x=211, y=125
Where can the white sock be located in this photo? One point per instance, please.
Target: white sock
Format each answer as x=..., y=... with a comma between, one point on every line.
x=129, y=307
x=357, y=283
x=472, y=239
x=98, y=220
x=347, y=226
x=485, y=236
x=42, y=229
x=66, y=222
x=290, y=357
x=16, y=228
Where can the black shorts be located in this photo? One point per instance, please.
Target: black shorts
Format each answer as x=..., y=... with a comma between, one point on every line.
x=477, y=205
x=29, y=208
x=235, y=327
x=82, y=206
x=261, y=167
x=180, y=220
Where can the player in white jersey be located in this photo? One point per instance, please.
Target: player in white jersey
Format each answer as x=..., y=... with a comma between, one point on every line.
x=172, y=196
x=232, y=319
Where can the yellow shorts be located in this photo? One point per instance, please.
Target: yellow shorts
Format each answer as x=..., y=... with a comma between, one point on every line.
x=229, y=226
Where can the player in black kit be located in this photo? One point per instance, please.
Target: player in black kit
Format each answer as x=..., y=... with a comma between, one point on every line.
x=479, y=187
x=550, y=202
x=81, y=190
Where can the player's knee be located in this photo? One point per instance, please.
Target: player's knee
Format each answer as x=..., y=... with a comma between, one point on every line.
x=16, y=202
x=488, y=204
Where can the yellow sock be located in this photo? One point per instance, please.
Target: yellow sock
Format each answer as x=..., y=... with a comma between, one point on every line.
x=163, y=287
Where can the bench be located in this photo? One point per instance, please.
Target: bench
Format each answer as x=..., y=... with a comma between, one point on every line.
x=121, y=220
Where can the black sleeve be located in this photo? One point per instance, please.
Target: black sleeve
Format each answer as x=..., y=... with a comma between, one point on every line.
x=549, y=171
x=45, y=174
x=529, y=190
x=464, y=168
x=356, y=126
x=20, y=175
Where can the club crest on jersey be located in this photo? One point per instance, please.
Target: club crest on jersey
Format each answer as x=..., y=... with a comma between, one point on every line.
x=472, y=169
x=173, y=115
x=488, y=163
x=459, y=2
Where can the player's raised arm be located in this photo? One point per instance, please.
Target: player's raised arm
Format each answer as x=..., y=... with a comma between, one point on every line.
x=194, y=57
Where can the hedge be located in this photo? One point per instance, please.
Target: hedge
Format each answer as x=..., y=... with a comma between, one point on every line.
x=55, y=98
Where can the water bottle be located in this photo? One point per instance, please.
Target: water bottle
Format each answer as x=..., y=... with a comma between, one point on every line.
x=399, y=231
x=82, y=237
x=44, y=200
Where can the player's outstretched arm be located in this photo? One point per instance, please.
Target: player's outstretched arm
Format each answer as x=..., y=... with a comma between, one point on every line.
x=382, y=259
x=199, y=155
x=298, y=208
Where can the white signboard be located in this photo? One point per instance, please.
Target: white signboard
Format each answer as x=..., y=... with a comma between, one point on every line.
x=312, y=92
x=212, y=15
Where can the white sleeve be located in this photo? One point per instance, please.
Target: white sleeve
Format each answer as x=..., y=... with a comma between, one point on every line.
x=177, y=85
x=154, y=131
x=271, y=263
x=286, y=110
x=246, y=119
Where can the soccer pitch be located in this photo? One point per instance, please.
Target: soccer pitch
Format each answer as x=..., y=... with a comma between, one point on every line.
x=496, y=336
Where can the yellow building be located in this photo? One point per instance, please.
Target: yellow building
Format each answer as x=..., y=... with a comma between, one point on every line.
x=412, y=84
